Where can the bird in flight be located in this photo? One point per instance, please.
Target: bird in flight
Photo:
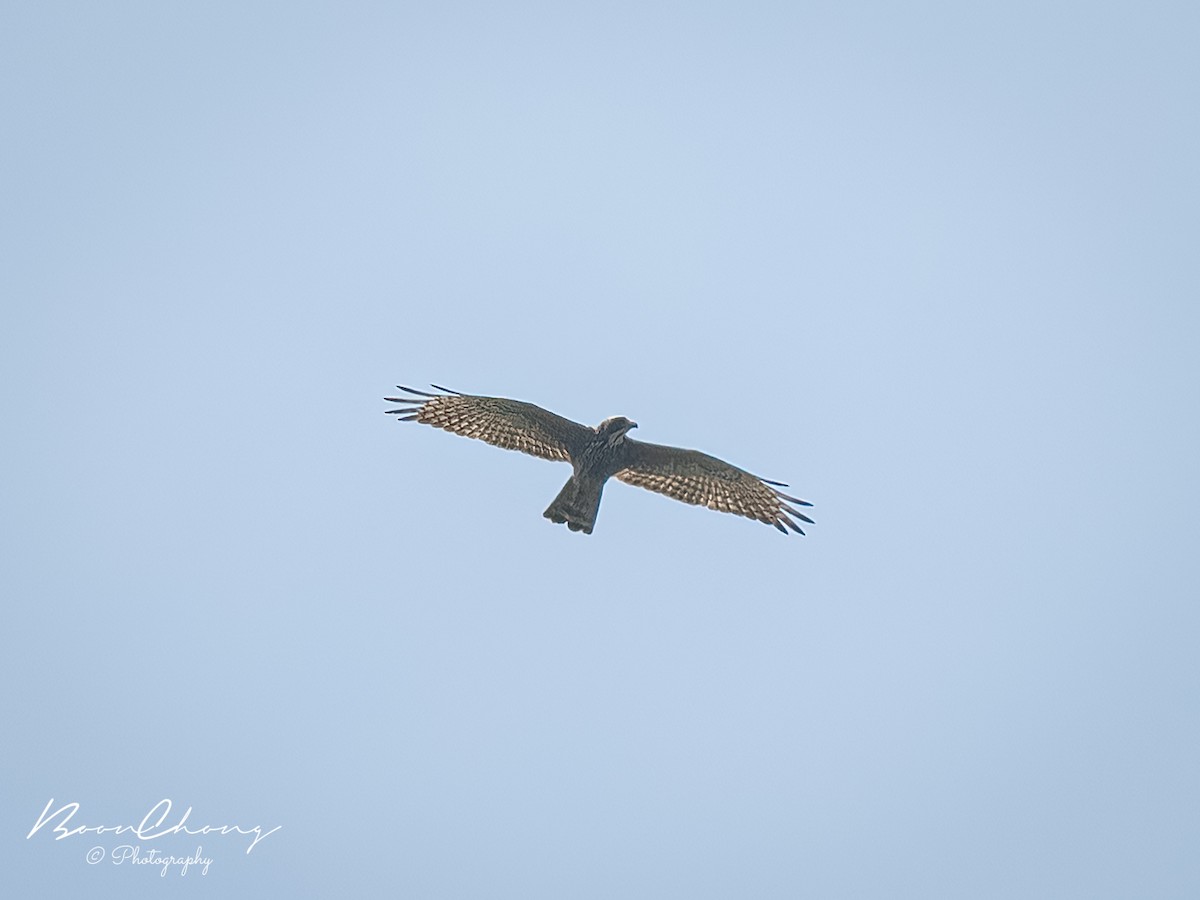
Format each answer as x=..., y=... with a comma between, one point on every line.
x=596, y=454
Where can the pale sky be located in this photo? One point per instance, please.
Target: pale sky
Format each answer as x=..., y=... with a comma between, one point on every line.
x=934, y=265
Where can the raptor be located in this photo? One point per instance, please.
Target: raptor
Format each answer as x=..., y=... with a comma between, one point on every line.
x=597, y=454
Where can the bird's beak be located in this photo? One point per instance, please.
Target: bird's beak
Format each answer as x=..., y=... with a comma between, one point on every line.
x=633, y=424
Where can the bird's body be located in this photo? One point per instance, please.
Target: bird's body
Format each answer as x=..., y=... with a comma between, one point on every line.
x=597, y=454
x=601, y=457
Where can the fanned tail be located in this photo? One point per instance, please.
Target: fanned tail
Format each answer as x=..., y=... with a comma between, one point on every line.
x=576, y=504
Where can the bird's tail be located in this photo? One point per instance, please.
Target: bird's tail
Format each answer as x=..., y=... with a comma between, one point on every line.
x=576, y=504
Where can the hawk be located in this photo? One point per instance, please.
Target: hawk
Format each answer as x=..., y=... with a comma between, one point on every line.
x=597, y=454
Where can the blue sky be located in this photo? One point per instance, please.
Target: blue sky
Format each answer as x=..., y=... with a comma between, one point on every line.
x=934, y=265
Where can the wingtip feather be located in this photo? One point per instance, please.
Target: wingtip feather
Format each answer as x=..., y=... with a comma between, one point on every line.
x=790, y=524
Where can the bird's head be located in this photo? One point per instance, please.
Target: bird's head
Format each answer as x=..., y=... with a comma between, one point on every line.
x=613, y=429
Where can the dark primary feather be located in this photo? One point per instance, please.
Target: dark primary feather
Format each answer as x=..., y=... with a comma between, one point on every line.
x=511, y=424
x=697, y=478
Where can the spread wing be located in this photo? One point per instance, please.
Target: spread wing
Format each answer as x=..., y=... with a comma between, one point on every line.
x=695, y=477
x=510, y=424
